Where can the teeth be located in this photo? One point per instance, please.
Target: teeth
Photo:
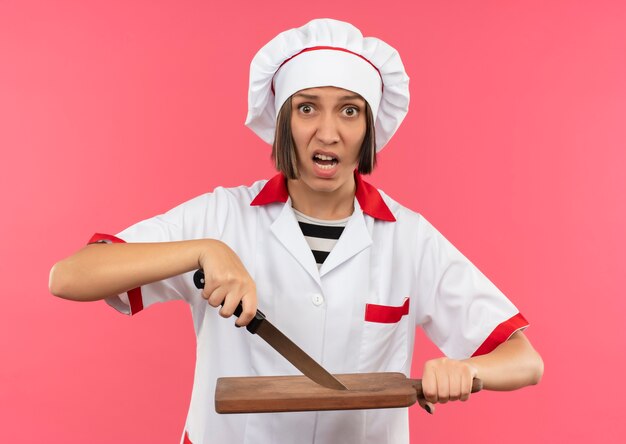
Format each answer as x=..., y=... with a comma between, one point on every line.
x=325, y=167
x=323, y=157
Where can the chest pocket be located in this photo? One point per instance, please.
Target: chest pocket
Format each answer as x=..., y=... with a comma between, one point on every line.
x=384, y=344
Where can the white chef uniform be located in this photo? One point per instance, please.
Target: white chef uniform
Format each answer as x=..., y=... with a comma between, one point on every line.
x=389, y=271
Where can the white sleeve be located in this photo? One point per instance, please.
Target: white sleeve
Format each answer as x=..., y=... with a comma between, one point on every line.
x=460, y=310
x=202, y=217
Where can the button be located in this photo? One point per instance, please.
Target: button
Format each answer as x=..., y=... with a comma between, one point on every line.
x=317, y=299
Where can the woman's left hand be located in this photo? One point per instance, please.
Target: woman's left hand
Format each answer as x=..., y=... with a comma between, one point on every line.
x=444, y=380
x=511, y=365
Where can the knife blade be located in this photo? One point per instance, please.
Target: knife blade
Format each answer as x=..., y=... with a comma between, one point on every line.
x=283, y=345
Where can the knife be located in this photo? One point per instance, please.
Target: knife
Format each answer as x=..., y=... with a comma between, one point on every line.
x=283, y=345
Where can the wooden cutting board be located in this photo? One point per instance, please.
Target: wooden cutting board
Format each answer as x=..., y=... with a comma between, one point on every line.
x=299, y=393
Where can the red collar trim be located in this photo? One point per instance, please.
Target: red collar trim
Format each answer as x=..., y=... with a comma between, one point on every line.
x=275, y=190
x=370, y=200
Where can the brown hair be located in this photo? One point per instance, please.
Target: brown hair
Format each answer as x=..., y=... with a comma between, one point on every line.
x=284, y=147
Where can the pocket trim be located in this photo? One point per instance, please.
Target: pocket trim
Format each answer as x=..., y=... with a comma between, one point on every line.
x=386, y=314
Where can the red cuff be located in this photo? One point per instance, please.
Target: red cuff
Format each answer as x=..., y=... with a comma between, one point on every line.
x=99, y=237
x=386, y=314
x=501, y=333
x=187, y=440
x=134, y=296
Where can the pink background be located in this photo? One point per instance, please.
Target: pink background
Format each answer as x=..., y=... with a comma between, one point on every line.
x=111, y=112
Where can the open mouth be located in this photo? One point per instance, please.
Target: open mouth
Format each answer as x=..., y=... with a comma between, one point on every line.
x=325, y=162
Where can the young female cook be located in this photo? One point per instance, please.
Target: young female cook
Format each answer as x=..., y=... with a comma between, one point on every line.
x=341, y=268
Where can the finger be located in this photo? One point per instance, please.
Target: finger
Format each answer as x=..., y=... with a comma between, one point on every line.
x=429, y=385
x=430, y=408
x=249, y=307
x=466, y=387
x=229, y=304
x=217, y=297
x=443, y=387
x=210, y=285
x=456, y=389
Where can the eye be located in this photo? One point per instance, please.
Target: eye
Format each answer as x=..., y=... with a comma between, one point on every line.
x=351, y=111
x=305, y=108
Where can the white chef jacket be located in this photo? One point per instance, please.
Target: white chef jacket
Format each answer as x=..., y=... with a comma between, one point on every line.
x=389, y=272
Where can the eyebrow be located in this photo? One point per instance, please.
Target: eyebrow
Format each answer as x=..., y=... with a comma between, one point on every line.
x=314, y=97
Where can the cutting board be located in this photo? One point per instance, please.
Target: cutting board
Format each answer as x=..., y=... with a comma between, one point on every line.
x=261, y=394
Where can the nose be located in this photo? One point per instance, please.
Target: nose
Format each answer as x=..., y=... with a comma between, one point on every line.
x=327, y=130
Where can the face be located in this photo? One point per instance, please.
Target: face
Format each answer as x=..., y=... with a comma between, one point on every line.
x=328, y=126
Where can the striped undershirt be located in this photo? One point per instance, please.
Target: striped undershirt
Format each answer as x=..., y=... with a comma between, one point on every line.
x=321, y=235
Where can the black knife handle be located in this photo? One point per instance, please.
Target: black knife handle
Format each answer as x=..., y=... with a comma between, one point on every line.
x=198, y=280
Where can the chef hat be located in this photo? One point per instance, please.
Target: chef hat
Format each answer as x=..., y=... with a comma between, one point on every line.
x=327, y=52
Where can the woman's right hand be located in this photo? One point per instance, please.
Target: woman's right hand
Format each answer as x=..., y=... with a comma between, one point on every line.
x=227, y=282
x=99, y=271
